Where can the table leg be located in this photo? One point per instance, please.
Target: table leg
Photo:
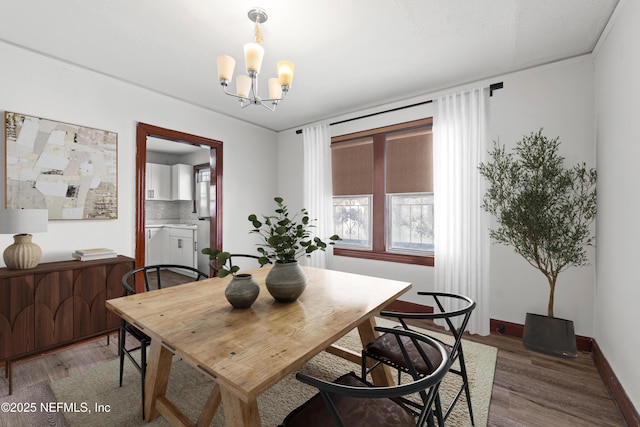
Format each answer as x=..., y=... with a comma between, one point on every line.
x=210, y=407
x=156, y=378
x=239, y=413
x=382, y=374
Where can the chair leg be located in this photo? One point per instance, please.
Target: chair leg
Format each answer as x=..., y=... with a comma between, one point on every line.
x=143, y=370
x=121, y=343
x=465, y=380
x=439, y=415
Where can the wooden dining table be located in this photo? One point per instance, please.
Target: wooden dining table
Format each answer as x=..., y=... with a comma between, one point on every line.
x=247, y=351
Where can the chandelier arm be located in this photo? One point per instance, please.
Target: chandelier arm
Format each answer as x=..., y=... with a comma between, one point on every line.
x=224, y=88
x=268, y=107
x=284, y=95
x=254, y=98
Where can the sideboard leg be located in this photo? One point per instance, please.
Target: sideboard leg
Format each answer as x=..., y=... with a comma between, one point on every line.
x=9, y=374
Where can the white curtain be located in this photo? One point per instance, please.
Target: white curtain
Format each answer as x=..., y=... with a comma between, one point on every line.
x=317, y=186
x=461, y=238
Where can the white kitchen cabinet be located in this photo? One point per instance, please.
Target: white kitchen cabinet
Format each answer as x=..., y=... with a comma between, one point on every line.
x=182, y=182
x=171, y=244
x=181, y=246
x=158, y=182
x=154, y=245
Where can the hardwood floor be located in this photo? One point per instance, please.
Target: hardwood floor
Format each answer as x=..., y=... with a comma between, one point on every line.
x=529, y=389
x=532, y=389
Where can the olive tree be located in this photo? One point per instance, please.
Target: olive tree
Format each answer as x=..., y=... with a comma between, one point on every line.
x=543, y=209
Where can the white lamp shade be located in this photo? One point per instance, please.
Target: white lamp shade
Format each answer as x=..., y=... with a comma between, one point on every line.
x=275, y=91
x=243, y=86
x=253, y=54
x=285, y=73
x=226, y=65
x=23, y=221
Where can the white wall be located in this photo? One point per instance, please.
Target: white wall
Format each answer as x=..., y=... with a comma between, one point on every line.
x=40, y=86
x=617, y=91
x=558, y=97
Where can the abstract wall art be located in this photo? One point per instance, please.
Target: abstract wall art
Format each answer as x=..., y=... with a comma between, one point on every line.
x=69, y=169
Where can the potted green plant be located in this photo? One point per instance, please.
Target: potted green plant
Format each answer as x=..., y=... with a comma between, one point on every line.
x=242, y=290
x=285, y=239
x=544, y=212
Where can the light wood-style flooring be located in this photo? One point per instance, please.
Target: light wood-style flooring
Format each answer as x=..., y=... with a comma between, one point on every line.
x=529, y=389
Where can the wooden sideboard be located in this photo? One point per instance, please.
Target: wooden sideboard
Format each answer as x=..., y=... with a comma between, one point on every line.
x=56, y=304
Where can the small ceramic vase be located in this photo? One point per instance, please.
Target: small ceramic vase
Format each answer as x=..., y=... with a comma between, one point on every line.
x=242, y=291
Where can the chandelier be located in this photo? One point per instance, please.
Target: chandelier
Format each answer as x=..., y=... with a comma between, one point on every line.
x=247, y=85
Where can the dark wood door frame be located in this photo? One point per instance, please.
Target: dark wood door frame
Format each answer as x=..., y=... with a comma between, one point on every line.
x=142, y=132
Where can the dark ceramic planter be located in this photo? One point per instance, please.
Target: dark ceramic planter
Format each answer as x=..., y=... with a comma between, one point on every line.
x=550, y=335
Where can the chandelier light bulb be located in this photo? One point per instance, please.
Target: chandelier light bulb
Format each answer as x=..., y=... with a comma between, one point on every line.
x=226, y=64
x=243, y=86
x=275, y=91
x=253, y=54
x=285, y=73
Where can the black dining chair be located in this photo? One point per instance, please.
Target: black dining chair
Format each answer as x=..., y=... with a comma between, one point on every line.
x=385, y=350
x=154, y=277
x=351, y=401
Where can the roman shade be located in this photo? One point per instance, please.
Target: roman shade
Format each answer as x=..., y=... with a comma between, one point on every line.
x=352, y=167
x=409, y=161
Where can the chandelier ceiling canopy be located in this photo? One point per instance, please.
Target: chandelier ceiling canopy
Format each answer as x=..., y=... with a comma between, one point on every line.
x=247, y=85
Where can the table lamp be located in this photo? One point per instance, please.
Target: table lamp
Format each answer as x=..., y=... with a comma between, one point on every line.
x=23, y=253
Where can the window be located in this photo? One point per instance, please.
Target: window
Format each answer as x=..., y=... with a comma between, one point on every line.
x=203, y=173
x=352, y=220
x=383, y=193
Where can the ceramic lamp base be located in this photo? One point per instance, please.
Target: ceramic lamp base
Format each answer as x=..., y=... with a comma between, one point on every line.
x=22, y=254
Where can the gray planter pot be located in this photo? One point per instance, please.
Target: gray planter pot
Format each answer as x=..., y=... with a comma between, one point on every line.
x=286, y=282
x=242, y=291
x=550, y=335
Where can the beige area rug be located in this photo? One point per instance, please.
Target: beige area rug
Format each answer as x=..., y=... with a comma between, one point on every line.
x=188, y=389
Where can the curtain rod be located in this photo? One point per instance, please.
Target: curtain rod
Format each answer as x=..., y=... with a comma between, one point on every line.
x=492, y=87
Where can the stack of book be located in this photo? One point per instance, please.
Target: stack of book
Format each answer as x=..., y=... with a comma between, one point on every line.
x=92, y=254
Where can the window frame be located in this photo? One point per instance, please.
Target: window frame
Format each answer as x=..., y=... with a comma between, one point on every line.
x=378, y=251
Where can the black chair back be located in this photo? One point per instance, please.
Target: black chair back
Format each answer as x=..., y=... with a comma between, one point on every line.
x=455, y=310
x=153, y=276
x=352, y=401
x=457, y=318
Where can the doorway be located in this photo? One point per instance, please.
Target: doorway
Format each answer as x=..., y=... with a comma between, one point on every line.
x=145, y=131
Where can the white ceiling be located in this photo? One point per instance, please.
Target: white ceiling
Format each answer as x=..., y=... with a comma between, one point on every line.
x=349, y=54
